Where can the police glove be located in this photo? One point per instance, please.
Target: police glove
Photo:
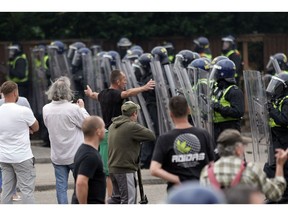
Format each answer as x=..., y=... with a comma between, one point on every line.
x=216, y=106
x=269, y=106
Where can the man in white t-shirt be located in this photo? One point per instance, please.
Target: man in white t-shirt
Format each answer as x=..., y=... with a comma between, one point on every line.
x=63, y=120
x=16, y=157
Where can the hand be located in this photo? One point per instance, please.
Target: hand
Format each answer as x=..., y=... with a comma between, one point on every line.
x=88, y=91
x=269, y=106
x=281, y=156
x=80, y=103
x=150, y=85
x=216, y=106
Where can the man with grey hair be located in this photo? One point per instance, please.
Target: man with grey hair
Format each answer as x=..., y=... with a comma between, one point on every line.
x=231, y=169
x=16, y=157
x=63, y=120
x=124, y=138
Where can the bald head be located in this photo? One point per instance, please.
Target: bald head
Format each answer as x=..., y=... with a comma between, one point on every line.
x=91, y=125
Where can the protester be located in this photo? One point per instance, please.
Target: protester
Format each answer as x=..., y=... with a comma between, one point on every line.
x=16, y=157
x=231, y=169
x=63, y=120
x=181, y=153
x=124, y=142
x=88, y=174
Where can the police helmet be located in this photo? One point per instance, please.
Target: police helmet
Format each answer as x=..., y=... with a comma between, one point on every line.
x=113, y=56
x=73, y=48
x=169, y=47
x=161, y=54
x=277, y=85
x=187, y=57
x=217, y=59
x=58, y=46
x=202, y=42
x=200, y=63
x=15, y=49
x=95, y=49
x=282, y=60
x=226, y=70
x=76, y=61
x=137, y=47
x=145, y=60
x=133, y=54
x=124, y=42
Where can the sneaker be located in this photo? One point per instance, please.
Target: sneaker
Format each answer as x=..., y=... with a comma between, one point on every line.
x=16, y=197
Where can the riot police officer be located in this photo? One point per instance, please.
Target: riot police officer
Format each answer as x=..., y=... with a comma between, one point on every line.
x=229, y=49
x=18, y=69
x=202, y=47
x=150, y=99
x=170, y=51
x=277, y=92
x=227, y=97
x=277, y=64
x=123, y=45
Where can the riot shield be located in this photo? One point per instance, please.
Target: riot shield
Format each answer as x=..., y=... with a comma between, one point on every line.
x=200, y=87
x=211, y=89
x=187, y=90
x=273, y=61
x=90, y=79
x=59, y=66
x=162, y=97
x=99, y=76
x=258, y=115
x=144, y=114
x=171, y=79
x=39, y=80
x=106, y=68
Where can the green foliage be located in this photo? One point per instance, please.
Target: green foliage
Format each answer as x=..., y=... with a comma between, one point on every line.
x=113, y=25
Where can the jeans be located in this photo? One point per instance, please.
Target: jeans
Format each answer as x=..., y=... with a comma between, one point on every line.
x=62, y=175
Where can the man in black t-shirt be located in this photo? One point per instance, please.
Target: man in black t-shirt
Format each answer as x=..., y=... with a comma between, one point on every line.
x=111, y=99
x=88, y=174
x=181, y=153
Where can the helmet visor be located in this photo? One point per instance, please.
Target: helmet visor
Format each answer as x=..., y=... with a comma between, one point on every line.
x=275, y=87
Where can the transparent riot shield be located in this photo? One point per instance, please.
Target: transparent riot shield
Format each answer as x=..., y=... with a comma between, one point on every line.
x=200, y=87
x=171, y=79
x=211, y=89
x=273, y=61
x=99, y=76
x=145, y=118
x=187, y=90
x=106, y=68
x=93, y=106
x=258, y=115
x=162, y=97
x=59, y=66
x=39, y=80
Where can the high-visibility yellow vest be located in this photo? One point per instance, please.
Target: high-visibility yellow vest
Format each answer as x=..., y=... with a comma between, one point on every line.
x=217, y=118
x=12, y=64
x=272, y=123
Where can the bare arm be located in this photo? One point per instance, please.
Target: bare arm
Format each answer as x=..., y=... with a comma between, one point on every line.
x=281, y=158
x=34, y=127
x=90, y=93
x=82, y=189
x=156, y=170
x=134, y=91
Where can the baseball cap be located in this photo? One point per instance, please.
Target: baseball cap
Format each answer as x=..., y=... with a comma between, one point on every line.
x=231, y=137
x=129, y=107
x=191, y=192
